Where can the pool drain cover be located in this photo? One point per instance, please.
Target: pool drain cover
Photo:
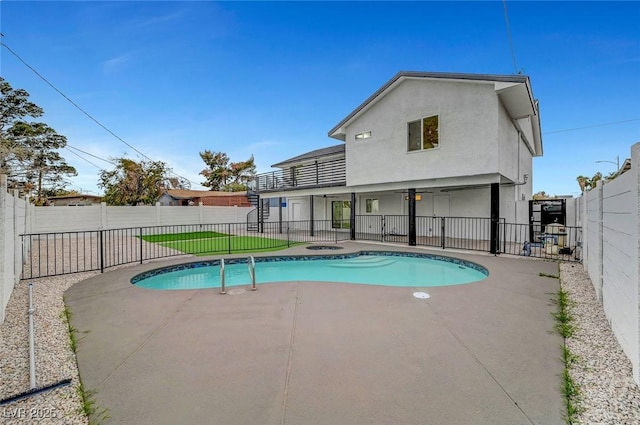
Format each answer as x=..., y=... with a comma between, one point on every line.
x=422, y=295
x=236, y=292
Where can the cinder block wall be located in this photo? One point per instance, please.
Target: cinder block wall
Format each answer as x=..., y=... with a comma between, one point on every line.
x=612, y=247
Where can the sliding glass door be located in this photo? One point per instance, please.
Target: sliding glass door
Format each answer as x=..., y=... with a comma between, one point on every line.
x=340, y=214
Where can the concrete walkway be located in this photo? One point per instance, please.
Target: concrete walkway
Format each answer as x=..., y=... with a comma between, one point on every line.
x=306, y=353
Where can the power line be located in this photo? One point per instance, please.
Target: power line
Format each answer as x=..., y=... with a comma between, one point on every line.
x=80, y=109
x=84, y=159
x=513, y=54
x=591, y=126
x=90, y=154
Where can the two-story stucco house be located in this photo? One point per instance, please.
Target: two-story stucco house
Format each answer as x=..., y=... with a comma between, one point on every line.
x=423, y=145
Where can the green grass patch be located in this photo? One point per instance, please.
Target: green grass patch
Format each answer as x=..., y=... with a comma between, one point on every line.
x=233, y=244
x=169, y=237
x=565, y=327
x=564, y=319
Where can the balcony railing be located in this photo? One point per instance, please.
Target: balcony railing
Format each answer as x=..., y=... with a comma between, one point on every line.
x=315, y=174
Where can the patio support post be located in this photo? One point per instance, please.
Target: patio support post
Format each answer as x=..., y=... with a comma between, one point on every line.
x=311, y=215
x=352, y=217
x=280, y=215
x=260, y=215
x=494, y=243
x=412, y=217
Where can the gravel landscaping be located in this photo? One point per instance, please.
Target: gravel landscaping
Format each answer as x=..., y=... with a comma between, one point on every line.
x=602, y=372
x=608, y=393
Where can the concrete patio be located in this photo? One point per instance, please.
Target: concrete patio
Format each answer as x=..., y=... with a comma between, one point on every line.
x=324, y=353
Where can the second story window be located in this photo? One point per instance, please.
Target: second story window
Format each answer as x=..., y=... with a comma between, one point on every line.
x=423, y=134
x=364, y=135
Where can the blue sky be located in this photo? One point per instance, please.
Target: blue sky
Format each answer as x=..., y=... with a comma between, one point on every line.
x=272, y=78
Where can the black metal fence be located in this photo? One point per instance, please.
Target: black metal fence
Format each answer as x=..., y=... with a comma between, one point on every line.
x=51, y=254
x=553, y=242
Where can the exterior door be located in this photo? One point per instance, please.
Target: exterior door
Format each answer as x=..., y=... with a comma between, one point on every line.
x=295, y=211
x=543, y=212
x=340, y=214
x=441, y=206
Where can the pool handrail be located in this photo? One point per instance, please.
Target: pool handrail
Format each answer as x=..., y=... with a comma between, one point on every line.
x=222, y=283
x=252, y=272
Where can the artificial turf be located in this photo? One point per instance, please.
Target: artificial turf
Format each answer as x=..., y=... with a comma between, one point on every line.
x=221, y=243
x=168, y=237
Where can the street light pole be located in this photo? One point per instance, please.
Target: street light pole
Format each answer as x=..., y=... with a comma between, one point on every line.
x=617, y=163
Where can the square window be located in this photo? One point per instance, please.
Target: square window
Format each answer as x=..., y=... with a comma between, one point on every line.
x=423, y=134
x=372, y=206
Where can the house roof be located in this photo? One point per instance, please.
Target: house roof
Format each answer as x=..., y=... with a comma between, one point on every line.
x=318, y=153
x=189, y=194
x=83, y=196
x=514, y=91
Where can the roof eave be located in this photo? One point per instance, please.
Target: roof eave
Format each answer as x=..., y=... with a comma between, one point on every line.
x=339, y=131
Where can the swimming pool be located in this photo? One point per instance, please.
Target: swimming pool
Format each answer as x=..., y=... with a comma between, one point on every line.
x=366, y=267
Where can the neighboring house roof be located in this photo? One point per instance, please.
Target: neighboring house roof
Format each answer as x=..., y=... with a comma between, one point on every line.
x=514, y=91
x=80, y=196
x=318, y=153
x=626, y=166
x=190, y=194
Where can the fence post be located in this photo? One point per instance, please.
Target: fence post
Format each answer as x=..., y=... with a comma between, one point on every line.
x=141, y=241
x=229, y=237
x=16, y=232
x=584, y=218
x=103, y=215
x=3, y=206
x=443, y=230
x=288, y=238
x=600, y=193
x=635, y=160
x=101, y=251
x=383, y=226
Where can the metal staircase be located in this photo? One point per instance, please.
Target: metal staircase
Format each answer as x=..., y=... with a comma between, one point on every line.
x=257, y=216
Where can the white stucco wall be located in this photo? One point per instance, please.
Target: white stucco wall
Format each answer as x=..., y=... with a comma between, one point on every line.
x=463, y=203
x=508, y=203
x=514, y=156
x=468, y=132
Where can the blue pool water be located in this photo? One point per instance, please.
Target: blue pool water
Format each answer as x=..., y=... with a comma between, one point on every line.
x=369, y=268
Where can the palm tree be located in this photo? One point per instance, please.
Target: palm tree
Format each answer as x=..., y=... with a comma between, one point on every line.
x=584, y=182
x=595, y=179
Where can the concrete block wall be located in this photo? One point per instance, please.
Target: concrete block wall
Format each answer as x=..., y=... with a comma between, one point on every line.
x=611, y=225
x=95, y=217
x=14, y=220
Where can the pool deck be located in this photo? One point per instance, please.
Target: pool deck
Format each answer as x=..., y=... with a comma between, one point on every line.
x=305, y=353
